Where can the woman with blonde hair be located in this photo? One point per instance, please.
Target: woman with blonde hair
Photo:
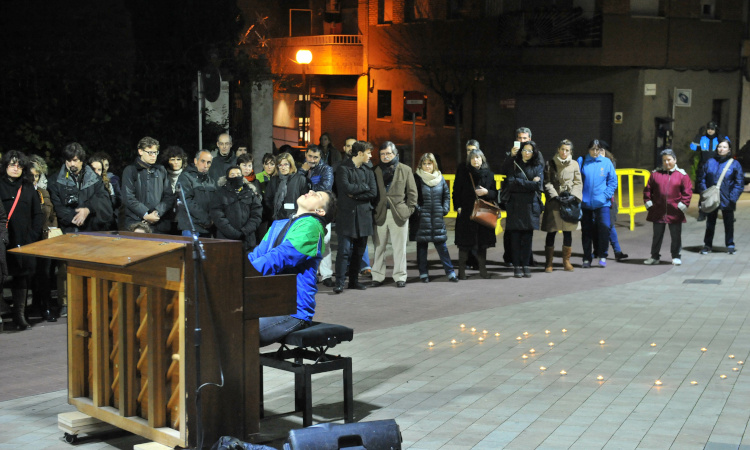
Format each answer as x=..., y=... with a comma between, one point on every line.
x=284, y=188
x=562, y=178
x=428, y=223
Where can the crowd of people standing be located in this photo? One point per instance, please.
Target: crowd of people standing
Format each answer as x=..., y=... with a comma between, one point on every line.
x=218, y=194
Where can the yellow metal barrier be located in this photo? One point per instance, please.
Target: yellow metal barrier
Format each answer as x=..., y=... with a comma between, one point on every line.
x=631, y=209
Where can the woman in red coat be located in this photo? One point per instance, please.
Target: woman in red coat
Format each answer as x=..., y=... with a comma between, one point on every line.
x=667, y=196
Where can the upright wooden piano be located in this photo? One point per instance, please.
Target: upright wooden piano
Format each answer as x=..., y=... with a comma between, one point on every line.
x=131, y=339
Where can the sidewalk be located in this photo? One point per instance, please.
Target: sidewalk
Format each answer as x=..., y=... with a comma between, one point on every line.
x=485, y=395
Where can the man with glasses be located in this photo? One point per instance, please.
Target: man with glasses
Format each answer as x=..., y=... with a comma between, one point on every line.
x=198, y=188
x=224, y=157
x=146, y=190
x=397, y=199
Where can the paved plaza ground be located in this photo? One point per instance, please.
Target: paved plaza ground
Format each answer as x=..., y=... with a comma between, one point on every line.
x=628, y=323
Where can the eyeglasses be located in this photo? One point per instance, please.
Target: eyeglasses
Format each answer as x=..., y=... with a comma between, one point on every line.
x=151, y=153
x=527, y=151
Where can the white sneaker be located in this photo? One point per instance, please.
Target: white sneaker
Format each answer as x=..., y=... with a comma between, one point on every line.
x=651, y=261
x=676, y=261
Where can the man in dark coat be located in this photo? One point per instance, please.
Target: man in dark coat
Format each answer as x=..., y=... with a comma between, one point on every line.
x=223, y=157
x=78, y=194
x=198, y=188
x=146, y=191
x=356, y=189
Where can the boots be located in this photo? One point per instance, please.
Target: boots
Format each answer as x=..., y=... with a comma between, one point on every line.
x=549, y=253
x=463, y=256
x=19, y=309
x=567, y=251
x=482, y=261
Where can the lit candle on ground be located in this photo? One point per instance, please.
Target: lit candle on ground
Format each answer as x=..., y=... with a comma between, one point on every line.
x=463, y=326
x=542, y=368
x=497, y=334
x=653, y=344
x=564, y=330
x=731, y=356
x=473, y=329
x=562, y=372
x=453, y=341
x=547, y=331
x=704, y=349
x=551, y=344
x=600, y=377
x=657, y=382
x=601, y=342
x=481, y=338
x=519, y=338
x=430, y=343
x=484, y=331
x=722, y=376
x=525, y=333
x=693, y=382
x=532, y=351
x=524, y=356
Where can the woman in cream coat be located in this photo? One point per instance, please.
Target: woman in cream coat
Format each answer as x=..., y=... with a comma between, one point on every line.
x=561, y=174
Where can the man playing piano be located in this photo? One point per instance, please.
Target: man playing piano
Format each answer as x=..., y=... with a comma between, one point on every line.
x=295, y=246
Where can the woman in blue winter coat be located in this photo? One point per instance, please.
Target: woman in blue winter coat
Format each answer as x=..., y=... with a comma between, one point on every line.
x=428, y=224
x=599, y=184
x=731, y=188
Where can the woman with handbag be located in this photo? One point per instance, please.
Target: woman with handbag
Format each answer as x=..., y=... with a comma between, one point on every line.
x=726, y=173
x=25, y=217
x=433, y=204
x=599, y=184
x=477, y=182
x=666, y=196
x=563, y=188
x=524, y=182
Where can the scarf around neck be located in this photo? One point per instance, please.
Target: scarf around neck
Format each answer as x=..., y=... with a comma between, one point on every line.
x=430, y=179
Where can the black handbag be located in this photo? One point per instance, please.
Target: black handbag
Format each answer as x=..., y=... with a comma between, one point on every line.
x=570, y=207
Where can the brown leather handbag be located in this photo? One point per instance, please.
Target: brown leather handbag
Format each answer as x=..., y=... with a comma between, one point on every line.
x=484, y=213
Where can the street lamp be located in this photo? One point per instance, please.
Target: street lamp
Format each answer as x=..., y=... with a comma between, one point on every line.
x=304, y=57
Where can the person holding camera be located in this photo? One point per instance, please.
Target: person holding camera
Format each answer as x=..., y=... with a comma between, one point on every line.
x=78, y=194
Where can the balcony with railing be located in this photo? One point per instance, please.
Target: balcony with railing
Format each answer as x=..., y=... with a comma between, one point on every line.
x=332, y=54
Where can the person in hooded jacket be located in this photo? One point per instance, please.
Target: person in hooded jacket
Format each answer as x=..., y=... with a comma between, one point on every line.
x=427, y=224
x=599, y=184
x=477, y=181
x=561, y=176
x=146, y=189
x=731, y=188
x=237, y=209
x=666, y=196
x=78, y=194
x=25, y=220
x=525, y=181
x=284, y=187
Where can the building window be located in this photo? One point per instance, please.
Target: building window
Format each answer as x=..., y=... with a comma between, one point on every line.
x=420, y=117
x=385, y=11
x=416, y=10
x=384, y=104
x=450, y=116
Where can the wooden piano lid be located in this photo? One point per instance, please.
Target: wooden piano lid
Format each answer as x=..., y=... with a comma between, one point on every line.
x=108, y=249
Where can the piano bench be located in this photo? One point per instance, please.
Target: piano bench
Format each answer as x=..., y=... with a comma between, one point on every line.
x=303, y=352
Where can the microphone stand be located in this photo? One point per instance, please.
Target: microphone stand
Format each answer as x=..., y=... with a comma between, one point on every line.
x=199, y=255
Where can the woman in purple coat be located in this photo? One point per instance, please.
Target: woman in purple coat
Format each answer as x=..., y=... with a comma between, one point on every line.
x=667, y=196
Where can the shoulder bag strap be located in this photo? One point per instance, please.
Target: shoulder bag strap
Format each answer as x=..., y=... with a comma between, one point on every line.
x=721, y=178
x=472, y=185
x=13, y=208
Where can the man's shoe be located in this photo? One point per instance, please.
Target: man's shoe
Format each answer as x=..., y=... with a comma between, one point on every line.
x=586, y=265
x=357, y=285
x=64, y=311
x=453, y=279
x=376, y=284
x=653, y=261
x=328, y=282
x=401, y=284
x=425, y=279
x=676, y=261
x=338, y=289
x=731, y=250
x=701, y=217
x=48, y=316
x=619, y=256
x=526, y=272
x=517, y=272
x=705, y=250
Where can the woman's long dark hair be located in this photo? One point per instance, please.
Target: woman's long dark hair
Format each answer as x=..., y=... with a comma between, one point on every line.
x=22, y=160
x=534, y=156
